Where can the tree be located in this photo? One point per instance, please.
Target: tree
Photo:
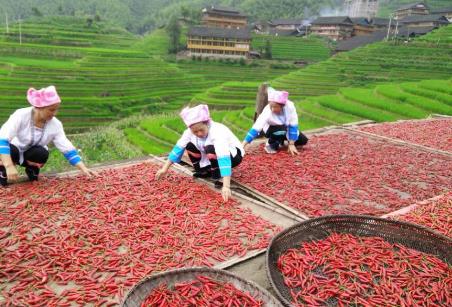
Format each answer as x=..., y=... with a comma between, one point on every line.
x=268, y=50
x=174, y=31
x=36, y=12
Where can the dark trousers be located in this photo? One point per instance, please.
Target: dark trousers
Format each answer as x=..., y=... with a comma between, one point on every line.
x=195, y=157
x=34, y=158
x=278, y=134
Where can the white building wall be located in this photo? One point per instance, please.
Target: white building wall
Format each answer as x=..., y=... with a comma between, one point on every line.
x=361, y=8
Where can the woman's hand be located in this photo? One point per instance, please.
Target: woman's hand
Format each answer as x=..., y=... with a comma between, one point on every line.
x=160, y=173
x=245, y=145
x=226, y=190
x=163, y=170
x=226, y=193
x=86, y=171
x=292, y=149
x=12, y=173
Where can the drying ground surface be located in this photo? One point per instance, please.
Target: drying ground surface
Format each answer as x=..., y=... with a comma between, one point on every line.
x=348, y=173
x=74, y=240
x=436, y=133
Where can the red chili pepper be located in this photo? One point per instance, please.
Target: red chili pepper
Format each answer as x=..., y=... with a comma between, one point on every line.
x=69, y=232
x=362, y=268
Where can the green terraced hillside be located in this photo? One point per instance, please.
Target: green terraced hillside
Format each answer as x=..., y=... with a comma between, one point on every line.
x=98, y=75
x=439, y=37
x=387, y=7
x=310, y=49
x=103, y=73
x=217, y=72
x=385, y=102
x=374, y=63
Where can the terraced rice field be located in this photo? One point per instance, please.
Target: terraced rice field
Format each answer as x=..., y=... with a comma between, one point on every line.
x=96, y=72
x=217, y=73
x=310, y=49
x=102, y=73
x=441, y=36
x=375, y=63
x=158, y=134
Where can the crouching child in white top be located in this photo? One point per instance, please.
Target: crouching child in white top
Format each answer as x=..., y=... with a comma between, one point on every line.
x=279, y=121
x=212, y=148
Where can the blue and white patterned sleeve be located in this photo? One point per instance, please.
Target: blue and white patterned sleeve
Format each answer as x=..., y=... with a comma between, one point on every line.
x=8, y=132
x=178, y=150
x=258, y=125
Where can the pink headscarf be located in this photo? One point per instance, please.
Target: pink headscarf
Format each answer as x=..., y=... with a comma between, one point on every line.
x=44, y=97
x=194, y=115
x=277, y=96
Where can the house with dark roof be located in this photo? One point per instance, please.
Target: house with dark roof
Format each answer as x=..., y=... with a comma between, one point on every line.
x=336, y=27
x=445, y=11
x=361, y=26
x=424, y=21
x=381, y=23
x=223, y=17
x=417, y=8
x=218, y=42
x=359, y=41
x=410, y=32
x=286, y=24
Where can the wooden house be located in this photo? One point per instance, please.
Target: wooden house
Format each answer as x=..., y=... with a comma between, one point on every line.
x=336, y=28
x=218, y=42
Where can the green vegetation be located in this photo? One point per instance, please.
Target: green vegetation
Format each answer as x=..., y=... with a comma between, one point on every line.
x=223, y=70
x=103, y=73
x=375, y=63
x=387, y=7
x=387, y=102
x=440, y=37
x=310, y=49
x=111, y=145
x=158, y=133
x=141, y=16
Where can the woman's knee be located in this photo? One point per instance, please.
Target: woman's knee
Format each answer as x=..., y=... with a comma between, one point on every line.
x=302, y=140
x=36, y=154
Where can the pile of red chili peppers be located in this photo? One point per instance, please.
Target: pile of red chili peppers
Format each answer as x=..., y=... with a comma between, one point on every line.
x=364, y=271
x=346, y=173
x=436, y=215
x=80, y=241
x=435, y=133
x=202, y=291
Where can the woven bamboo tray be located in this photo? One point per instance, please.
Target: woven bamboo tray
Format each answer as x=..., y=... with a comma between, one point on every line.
x=141, y=291
x=410, y=235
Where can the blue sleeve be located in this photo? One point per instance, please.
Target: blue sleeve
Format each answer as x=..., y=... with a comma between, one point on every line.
x=224, y=164
x=176, y=154
x=252, y=134
x=73, y=157
x=4, y=147
x=293, y=133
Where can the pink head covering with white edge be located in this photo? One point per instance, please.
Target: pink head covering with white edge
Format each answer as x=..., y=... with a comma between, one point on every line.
x=194, y=115
x=44, y=97
x=277, y=96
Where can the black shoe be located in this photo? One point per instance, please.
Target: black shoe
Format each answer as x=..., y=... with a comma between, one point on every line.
x=218, y=184
x=202, y=174
x=3, y=176
x=32, y=174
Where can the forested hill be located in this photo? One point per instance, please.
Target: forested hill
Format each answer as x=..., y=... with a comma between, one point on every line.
x=140, y=16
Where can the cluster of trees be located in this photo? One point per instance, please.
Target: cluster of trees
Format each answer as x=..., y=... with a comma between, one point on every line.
x=141, y=16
